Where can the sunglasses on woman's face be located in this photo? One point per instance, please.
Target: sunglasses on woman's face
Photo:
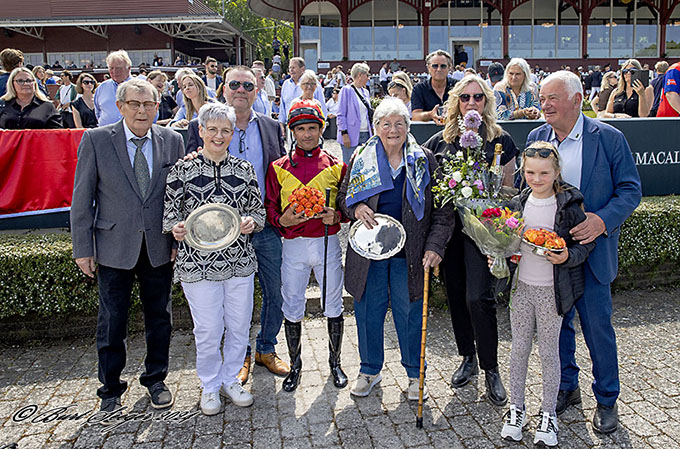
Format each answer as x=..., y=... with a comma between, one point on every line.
x=88, y=82
x=247, y=85
x=466, y=97
x=542, y=152
x=631, y=71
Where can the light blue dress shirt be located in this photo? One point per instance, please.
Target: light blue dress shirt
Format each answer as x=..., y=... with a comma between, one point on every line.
x=262, y=104
x=147, y=148
x=571, y=153
x=251, y=149
x=105, y=102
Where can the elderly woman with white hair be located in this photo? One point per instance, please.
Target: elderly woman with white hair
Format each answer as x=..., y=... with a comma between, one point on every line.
x=218, y=285
x=516, y=95
x=392, y=175
x=354, y=112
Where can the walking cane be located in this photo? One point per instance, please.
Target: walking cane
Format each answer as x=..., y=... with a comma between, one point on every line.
x=423, y=339
x=325, y=254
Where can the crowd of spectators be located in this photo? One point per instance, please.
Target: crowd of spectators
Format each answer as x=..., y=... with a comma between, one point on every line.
x=83, y=101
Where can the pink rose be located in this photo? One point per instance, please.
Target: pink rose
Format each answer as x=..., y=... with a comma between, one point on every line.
x=452, y=183
x=512, y=223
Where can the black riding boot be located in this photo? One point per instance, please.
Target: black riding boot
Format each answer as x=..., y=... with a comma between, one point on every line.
x=336, y=328
x=293, y=335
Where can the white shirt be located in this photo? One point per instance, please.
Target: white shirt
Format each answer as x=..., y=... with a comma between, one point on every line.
x=270, y=87
x=383, y=75
x=332, y=106
x=538, y=213
x=363, y=113
x=458, y=75
x=211, y=83
x=571, y=153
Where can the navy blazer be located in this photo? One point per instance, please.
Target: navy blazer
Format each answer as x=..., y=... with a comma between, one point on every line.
x=270, y=134
x=611, y=188
x=218, y=81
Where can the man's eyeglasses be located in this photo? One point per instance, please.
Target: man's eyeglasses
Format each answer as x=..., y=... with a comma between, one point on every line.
x=247, y=85
x=466, y=97
x=542, y=152
x=631, y=71
x=439, y=66
x=242, y=147
x=148, y=105
x=22, y=82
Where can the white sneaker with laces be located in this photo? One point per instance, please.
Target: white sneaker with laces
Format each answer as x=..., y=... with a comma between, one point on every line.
x=414, y=389
x=364, y=384
x=210, y=403
x=547, y=430
x=237, y=394
x=515, y=420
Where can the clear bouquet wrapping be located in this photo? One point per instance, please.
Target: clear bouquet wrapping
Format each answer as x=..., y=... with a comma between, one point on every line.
x=497, y=231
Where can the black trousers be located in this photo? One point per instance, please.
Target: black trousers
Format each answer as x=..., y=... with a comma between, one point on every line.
x=115, y=289
x=470, y=288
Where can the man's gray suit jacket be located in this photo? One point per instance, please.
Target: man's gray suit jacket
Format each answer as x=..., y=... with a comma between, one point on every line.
x=109, y=217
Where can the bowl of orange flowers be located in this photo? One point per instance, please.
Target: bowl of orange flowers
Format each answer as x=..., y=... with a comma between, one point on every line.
x=543, y=241
x=307, y=200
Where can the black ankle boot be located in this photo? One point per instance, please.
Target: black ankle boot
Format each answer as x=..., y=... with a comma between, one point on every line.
x=468, y=368
x=494, y=387
x=293, y=334
x=336, y=327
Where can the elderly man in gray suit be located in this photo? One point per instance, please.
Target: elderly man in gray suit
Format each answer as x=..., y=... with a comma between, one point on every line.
x=116, y=222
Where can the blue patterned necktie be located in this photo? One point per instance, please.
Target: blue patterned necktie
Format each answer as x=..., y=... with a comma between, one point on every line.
x=141, y=166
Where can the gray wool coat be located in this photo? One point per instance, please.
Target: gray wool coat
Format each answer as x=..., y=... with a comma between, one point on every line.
x=432, y=233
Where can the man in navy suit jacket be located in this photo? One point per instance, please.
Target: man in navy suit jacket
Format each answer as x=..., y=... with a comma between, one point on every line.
x=596, y=158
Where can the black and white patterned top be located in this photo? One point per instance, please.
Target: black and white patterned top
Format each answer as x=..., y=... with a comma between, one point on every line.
x=201, y=181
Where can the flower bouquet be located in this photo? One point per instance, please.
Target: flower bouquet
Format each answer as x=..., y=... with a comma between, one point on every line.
x=475, y=189
x=497, y=233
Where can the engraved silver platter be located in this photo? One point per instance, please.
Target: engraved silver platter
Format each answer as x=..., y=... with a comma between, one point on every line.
x=382, y=242
x=212, y=227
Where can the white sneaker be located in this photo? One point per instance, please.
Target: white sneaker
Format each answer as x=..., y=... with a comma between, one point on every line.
x=364, y=384
x=515, y=420
x=547, y=430
x=238, y=395
x=210, y=403
x=414, y=389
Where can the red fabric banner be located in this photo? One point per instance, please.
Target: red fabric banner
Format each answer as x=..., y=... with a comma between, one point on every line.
x=37, y=168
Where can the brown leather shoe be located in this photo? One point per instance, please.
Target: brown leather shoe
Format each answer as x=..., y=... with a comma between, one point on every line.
x=273, y=363
x=245, y=371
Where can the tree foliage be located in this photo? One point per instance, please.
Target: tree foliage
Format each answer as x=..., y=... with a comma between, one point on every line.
x=262, y=30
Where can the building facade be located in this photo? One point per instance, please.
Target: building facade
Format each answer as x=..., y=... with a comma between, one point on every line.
x=549, y=33
x=85, y=31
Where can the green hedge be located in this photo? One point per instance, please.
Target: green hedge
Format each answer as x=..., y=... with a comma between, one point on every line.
x=38, y=275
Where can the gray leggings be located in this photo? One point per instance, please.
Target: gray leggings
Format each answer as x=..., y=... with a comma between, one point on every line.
x=533, y=304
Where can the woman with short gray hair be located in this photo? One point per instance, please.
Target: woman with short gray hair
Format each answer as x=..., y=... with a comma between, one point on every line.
x=218, y=285
x=354, y=112
x=392, y=175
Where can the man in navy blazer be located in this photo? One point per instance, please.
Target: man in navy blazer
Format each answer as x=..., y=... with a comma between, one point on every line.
x=596, y=158
x=211, y=78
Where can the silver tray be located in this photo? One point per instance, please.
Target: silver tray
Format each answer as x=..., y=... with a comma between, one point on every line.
x=540, y=250
x=385, y=240
x=212, y=227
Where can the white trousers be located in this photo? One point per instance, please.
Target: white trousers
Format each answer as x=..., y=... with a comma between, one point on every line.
x=301, y=255
x=220, y=309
